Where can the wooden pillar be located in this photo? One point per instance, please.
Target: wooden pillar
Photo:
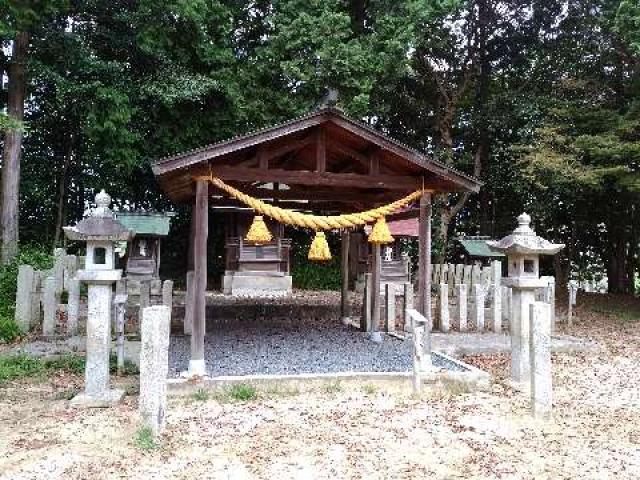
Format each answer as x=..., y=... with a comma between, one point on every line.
x=375, y=287
x=201, y=211
x=424, y=261
x=345, y=312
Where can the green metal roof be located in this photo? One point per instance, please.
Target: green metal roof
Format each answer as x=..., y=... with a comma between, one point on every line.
x=477, y=247
x=146, y=223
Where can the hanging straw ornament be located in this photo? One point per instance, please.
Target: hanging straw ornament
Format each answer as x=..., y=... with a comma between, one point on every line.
x=319, y=250
x=380, y=233
x=258, y=232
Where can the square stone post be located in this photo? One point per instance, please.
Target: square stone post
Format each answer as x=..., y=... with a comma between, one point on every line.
x=50, y=302
x=390, y=307
x=496, y=308
x=408, y=304
x=120, y=306
x=375, y=291
x=145, y=297
x=478, y=306
x=167, y=294
x=540, y=359
x=154, y=367
x=443, y=304
x=520, y=364
x=24, y=297
x=462, y=307
x=73, y=308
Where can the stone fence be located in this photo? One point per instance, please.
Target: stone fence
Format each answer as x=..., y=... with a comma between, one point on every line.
x=51, y=300
x=463, y=298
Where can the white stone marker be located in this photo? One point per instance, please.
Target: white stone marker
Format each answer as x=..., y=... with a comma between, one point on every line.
x=145, y=297
x=478, y=306
x=167, y=294
x=573, y=293
x=24, y=298
x=50, y=302
x=540, y=358
x=73, y=309
x=462, y=307
x=189, y=302
x=496, y=309
x=390, y=310
x=59, y=255
x=408, y=304
x=443, y=305
x=154, y=367
x=120, y=307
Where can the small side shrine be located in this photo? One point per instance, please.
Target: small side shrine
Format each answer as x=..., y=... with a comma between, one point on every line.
x=143, y=250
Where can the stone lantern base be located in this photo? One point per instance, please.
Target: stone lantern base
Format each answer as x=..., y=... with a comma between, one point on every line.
x=106, y=399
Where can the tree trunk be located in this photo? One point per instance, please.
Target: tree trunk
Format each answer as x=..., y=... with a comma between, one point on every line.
x=12, y=149
x=62, y=190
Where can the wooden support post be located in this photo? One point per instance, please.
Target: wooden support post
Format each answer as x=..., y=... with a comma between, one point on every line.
x=201, y=210
x=424, y=260
x=345, y=312
x=375, y=287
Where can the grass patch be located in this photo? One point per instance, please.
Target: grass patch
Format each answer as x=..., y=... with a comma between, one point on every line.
x=16, y=367
x=130, y=368
x=369, y=388
x=145, y=440
x=333, y=387
x=200, y=395
x=243, y=392
x=277, y=391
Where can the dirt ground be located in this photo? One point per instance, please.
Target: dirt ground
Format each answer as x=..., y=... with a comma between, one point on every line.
x=349, y=432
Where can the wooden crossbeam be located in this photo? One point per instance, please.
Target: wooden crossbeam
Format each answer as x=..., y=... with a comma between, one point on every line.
x=327, y=179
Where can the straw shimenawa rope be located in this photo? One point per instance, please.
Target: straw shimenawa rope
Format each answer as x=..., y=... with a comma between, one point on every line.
x=315, y=222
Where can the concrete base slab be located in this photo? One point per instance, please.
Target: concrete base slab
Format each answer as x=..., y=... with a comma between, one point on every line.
x=248, y=285
x=108, y=399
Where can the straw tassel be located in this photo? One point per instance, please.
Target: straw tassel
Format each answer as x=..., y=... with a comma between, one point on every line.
x=319, y=250
x=258, y=232
x=380, y=233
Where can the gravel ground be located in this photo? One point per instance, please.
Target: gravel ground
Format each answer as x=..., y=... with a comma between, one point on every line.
x=257, y=348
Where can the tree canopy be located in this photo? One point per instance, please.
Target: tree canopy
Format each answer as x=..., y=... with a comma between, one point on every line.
x=540, y=99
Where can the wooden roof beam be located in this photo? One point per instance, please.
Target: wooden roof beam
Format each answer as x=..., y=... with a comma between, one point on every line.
x=326, y=179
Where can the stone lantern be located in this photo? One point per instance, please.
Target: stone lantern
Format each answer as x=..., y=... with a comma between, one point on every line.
x=523, y=249
x=101, y=231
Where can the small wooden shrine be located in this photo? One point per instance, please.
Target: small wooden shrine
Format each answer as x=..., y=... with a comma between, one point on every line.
x=143, y=249
x=322, y=171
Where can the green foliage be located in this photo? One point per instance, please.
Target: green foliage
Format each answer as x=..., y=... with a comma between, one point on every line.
x=35, y=256
x=200, y=395
x=130, y=368
x=310, y=275
x=145, y=439
x=243, y=392
x=16, y=367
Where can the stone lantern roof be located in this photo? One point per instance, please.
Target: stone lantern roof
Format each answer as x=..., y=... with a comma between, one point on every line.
x=524, y=240
x=100, y=225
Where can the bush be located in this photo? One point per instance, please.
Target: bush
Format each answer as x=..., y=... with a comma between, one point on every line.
x=15, y=367
x=36, y=256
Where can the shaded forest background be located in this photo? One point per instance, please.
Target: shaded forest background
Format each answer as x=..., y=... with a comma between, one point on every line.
x=540, y=99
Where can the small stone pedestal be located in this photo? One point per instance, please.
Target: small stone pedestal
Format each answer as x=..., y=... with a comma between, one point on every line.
x=96, y=375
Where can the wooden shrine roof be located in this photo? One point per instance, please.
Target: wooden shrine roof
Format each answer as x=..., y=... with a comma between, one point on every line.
x=324, y=160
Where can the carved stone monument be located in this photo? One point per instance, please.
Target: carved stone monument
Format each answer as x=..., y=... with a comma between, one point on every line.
x=523, y=249
x=100, y=230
